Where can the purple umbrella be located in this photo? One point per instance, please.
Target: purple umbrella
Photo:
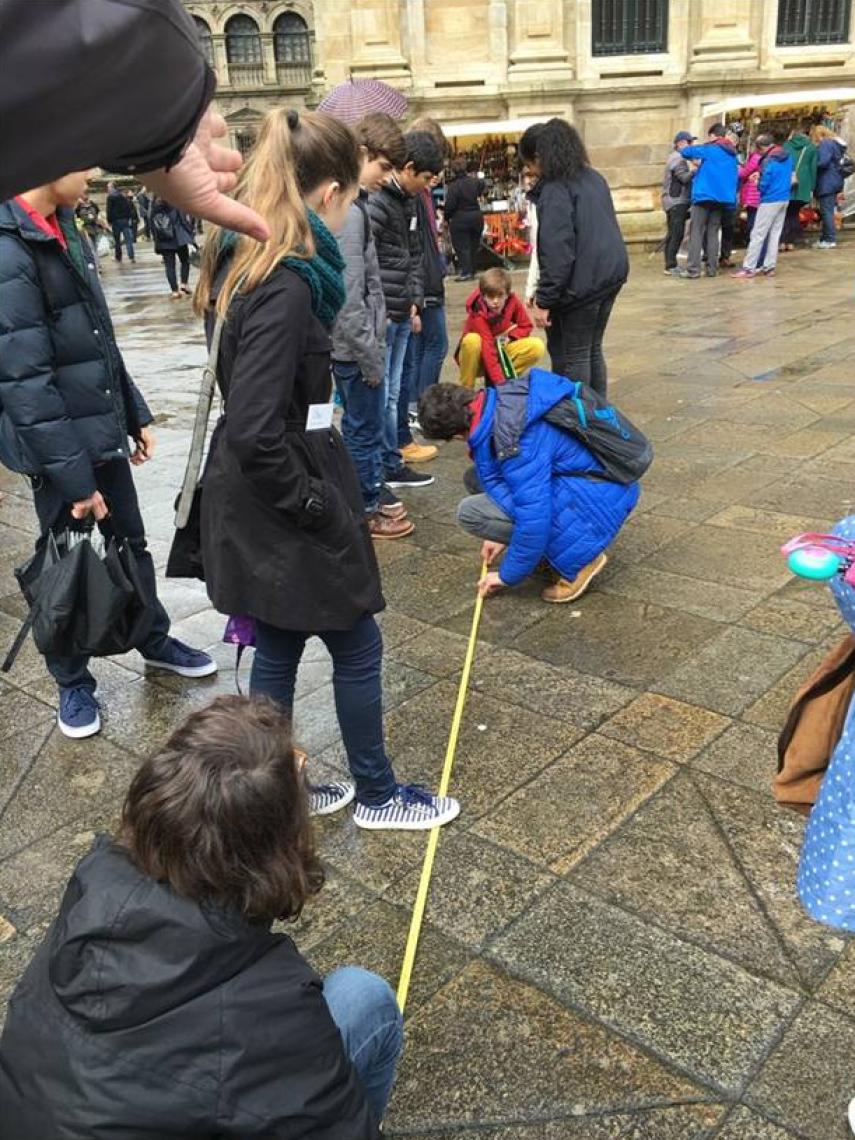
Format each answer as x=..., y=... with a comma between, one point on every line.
x=352, y=101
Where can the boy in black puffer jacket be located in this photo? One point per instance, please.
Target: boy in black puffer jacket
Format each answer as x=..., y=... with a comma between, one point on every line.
x=395, y=223
x=67, y=410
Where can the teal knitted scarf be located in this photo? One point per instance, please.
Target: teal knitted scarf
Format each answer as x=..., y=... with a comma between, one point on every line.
x=324, y=273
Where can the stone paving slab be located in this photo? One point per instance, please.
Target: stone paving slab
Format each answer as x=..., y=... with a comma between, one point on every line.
x=613, y=946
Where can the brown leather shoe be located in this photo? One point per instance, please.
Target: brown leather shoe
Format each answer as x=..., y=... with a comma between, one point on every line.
x=564, y=591
x=419, y=452
x=381, y=526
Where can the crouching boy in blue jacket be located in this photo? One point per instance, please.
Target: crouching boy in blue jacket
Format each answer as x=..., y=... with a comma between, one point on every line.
x=541, y=497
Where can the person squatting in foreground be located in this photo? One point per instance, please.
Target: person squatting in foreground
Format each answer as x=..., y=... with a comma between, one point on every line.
x=160, y=1003
x=284, y=536
x=521, y=511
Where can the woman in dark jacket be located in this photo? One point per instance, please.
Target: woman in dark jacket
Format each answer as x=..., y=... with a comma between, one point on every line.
x=464, y=217
x=580, y=250
x=160, y=1004
x=284, y=536
x=829, y=182
x=173, y=233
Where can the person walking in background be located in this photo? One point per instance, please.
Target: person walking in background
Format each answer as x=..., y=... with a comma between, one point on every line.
x=88, y=213
x=161, y=1003
x=582, y=259
x=776, y=171
x=174, y=233
x=67, y=410
x=829, y=183
x=284, y=537
x=359, y=333
x=713, y=190
x=464, y=217
x=135, y=215
x=144, y=202
x=395, y=223
x=804, y=156
x=676, y=198
x=120, y=213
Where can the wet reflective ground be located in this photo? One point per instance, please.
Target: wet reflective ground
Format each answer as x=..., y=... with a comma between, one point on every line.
x=613, y=947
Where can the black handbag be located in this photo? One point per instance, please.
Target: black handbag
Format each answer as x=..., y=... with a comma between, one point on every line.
x=82, y=602
x=185, y=553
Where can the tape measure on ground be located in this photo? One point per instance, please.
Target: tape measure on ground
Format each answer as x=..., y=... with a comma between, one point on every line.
x=433, y=840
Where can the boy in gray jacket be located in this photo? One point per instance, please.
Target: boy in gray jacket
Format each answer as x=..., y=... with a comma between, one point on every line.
x=359, y=336
x=676, y=198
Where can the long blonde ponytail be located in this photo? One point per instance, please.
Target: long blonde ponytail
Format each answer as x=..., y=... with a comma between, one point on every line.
x=294, y=154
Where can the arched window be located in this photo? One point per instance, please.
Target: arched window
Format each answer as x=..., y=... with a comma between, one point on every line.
x=243, y=40
x=205, y=39
x=245, y=140
x=291, y=40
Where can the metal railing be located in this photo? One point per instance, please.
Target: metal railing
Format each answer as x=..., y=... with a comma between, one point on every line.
x=629, y=27
x=294, y=76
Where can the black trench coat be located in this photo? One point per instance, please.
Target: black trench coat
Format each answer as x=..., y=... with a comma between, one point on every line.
x=264, y=553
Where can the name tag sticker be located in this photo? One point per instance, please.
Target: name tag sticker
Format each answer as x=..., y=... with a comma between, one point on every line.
x=413, y=224
x=320, y=417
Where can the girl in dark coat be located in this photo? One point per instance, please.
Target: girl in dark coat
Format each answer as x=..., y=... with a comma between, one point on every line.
x=464, y=217
x=284, y=536
x=173, y=233
x=580, y=250
x=160, y=1004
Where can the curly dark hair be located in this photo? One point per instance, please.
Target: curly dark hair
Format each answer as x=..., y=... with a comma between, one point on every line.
x=444, y=410
x=221, y=814
x=559, y=149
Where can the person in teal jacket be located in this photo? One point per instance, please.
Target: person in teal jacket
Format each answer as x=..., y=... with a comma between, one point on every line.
x=714, y=189
x=804, y=156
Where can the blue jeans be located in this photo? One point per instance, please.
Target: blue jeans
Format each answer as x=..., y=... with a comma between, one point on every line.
x=397, y=338
x=366, y=1012
x=357, y=656
x=116, y=484
x=827, y=203
x=422, y=366
x=362, y=429
x=123, y=230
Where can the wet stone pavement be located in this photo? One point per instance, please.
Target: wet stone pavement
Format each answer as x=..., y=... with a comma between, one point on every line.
x=613, y=947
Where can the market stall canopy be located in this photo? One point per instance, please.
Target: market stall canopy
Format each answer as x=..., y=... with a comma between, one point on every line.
x=490, y=127
x=779, y=99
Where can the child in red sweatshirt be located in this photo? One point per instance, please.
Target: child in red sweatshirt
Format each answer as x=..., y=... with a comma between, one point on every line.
x=494, y=311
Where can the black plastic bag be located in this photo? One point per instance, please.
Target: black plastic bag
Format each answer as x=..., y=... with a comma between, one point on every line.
x=83, y=603
x=185, y=553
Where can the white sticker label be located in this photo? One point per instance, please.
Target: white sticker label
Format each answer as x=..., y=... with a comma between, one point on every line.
x=413, y=224
x=320, y=417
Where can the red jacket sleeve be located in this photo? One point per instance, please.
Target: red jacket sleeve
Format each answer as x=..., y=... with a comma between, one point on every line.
x=519, y=316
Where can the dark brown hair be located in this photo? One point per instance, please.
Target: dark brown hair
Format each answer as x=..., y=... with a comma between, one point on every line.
x=433, y=128
x=220, y=813
x=444, y=410
x=381, y=135
x=494, y=282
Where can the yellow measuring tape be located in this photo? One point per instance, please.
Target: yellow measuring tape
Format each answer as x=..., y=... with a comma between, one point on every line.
x=430, y=854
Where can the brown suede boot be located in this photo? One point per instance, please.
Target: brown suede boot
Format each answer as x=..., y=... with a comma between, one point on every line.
x=564, y=591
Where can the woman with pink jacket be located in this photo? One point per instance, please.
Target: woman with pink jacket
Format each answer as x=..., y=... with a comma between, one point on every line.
x=749, y=186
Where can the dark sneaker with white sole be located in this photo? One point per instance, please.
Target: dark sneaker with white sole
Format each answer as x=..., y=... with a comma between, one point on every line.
x=407, y=477
x=78, y=713
x=324, y=799
x=176, y=657
x=411, y=808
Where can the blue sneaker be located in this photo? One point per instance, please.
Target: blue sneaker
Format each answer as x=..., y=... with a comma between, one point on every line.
x=77, y=716
x=176, y=657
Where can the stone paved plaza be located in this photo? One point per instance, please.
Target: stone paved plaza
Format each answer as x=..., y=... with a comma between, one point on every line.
x=613, y=946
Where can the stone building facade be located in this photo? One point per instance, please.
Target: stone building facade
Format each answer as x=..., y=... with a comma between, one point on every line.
x=628, y=73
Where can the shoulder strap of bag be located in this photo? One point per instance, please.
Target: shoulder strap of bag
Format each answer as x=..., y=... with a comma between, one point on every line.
x=200, y=428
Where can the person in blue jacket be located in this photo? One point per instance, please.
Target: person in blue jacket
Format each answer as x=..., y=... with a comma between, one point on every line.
x=539, y=497
x=829, y=182
x=775, y=185
x=714, y=189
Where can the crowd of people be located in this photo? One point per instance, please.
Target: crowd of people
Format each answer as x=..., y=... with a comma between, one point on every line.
x=161, y=1002
x=709, y=186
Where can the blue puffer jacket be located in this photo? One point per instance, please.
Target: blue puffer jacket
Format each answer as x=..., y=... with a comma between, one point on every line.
x=776, y=175
x=558, y=514
x=717, y=179
x=829, y=176
x=66, y=399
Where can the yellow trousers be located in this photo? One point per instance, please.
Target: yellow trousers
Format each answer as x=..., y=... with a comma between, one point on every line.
x=524, y=354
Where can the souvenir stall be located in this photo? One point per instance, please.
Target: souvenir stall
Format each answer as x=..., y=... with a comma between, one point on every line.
x=490, y=151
